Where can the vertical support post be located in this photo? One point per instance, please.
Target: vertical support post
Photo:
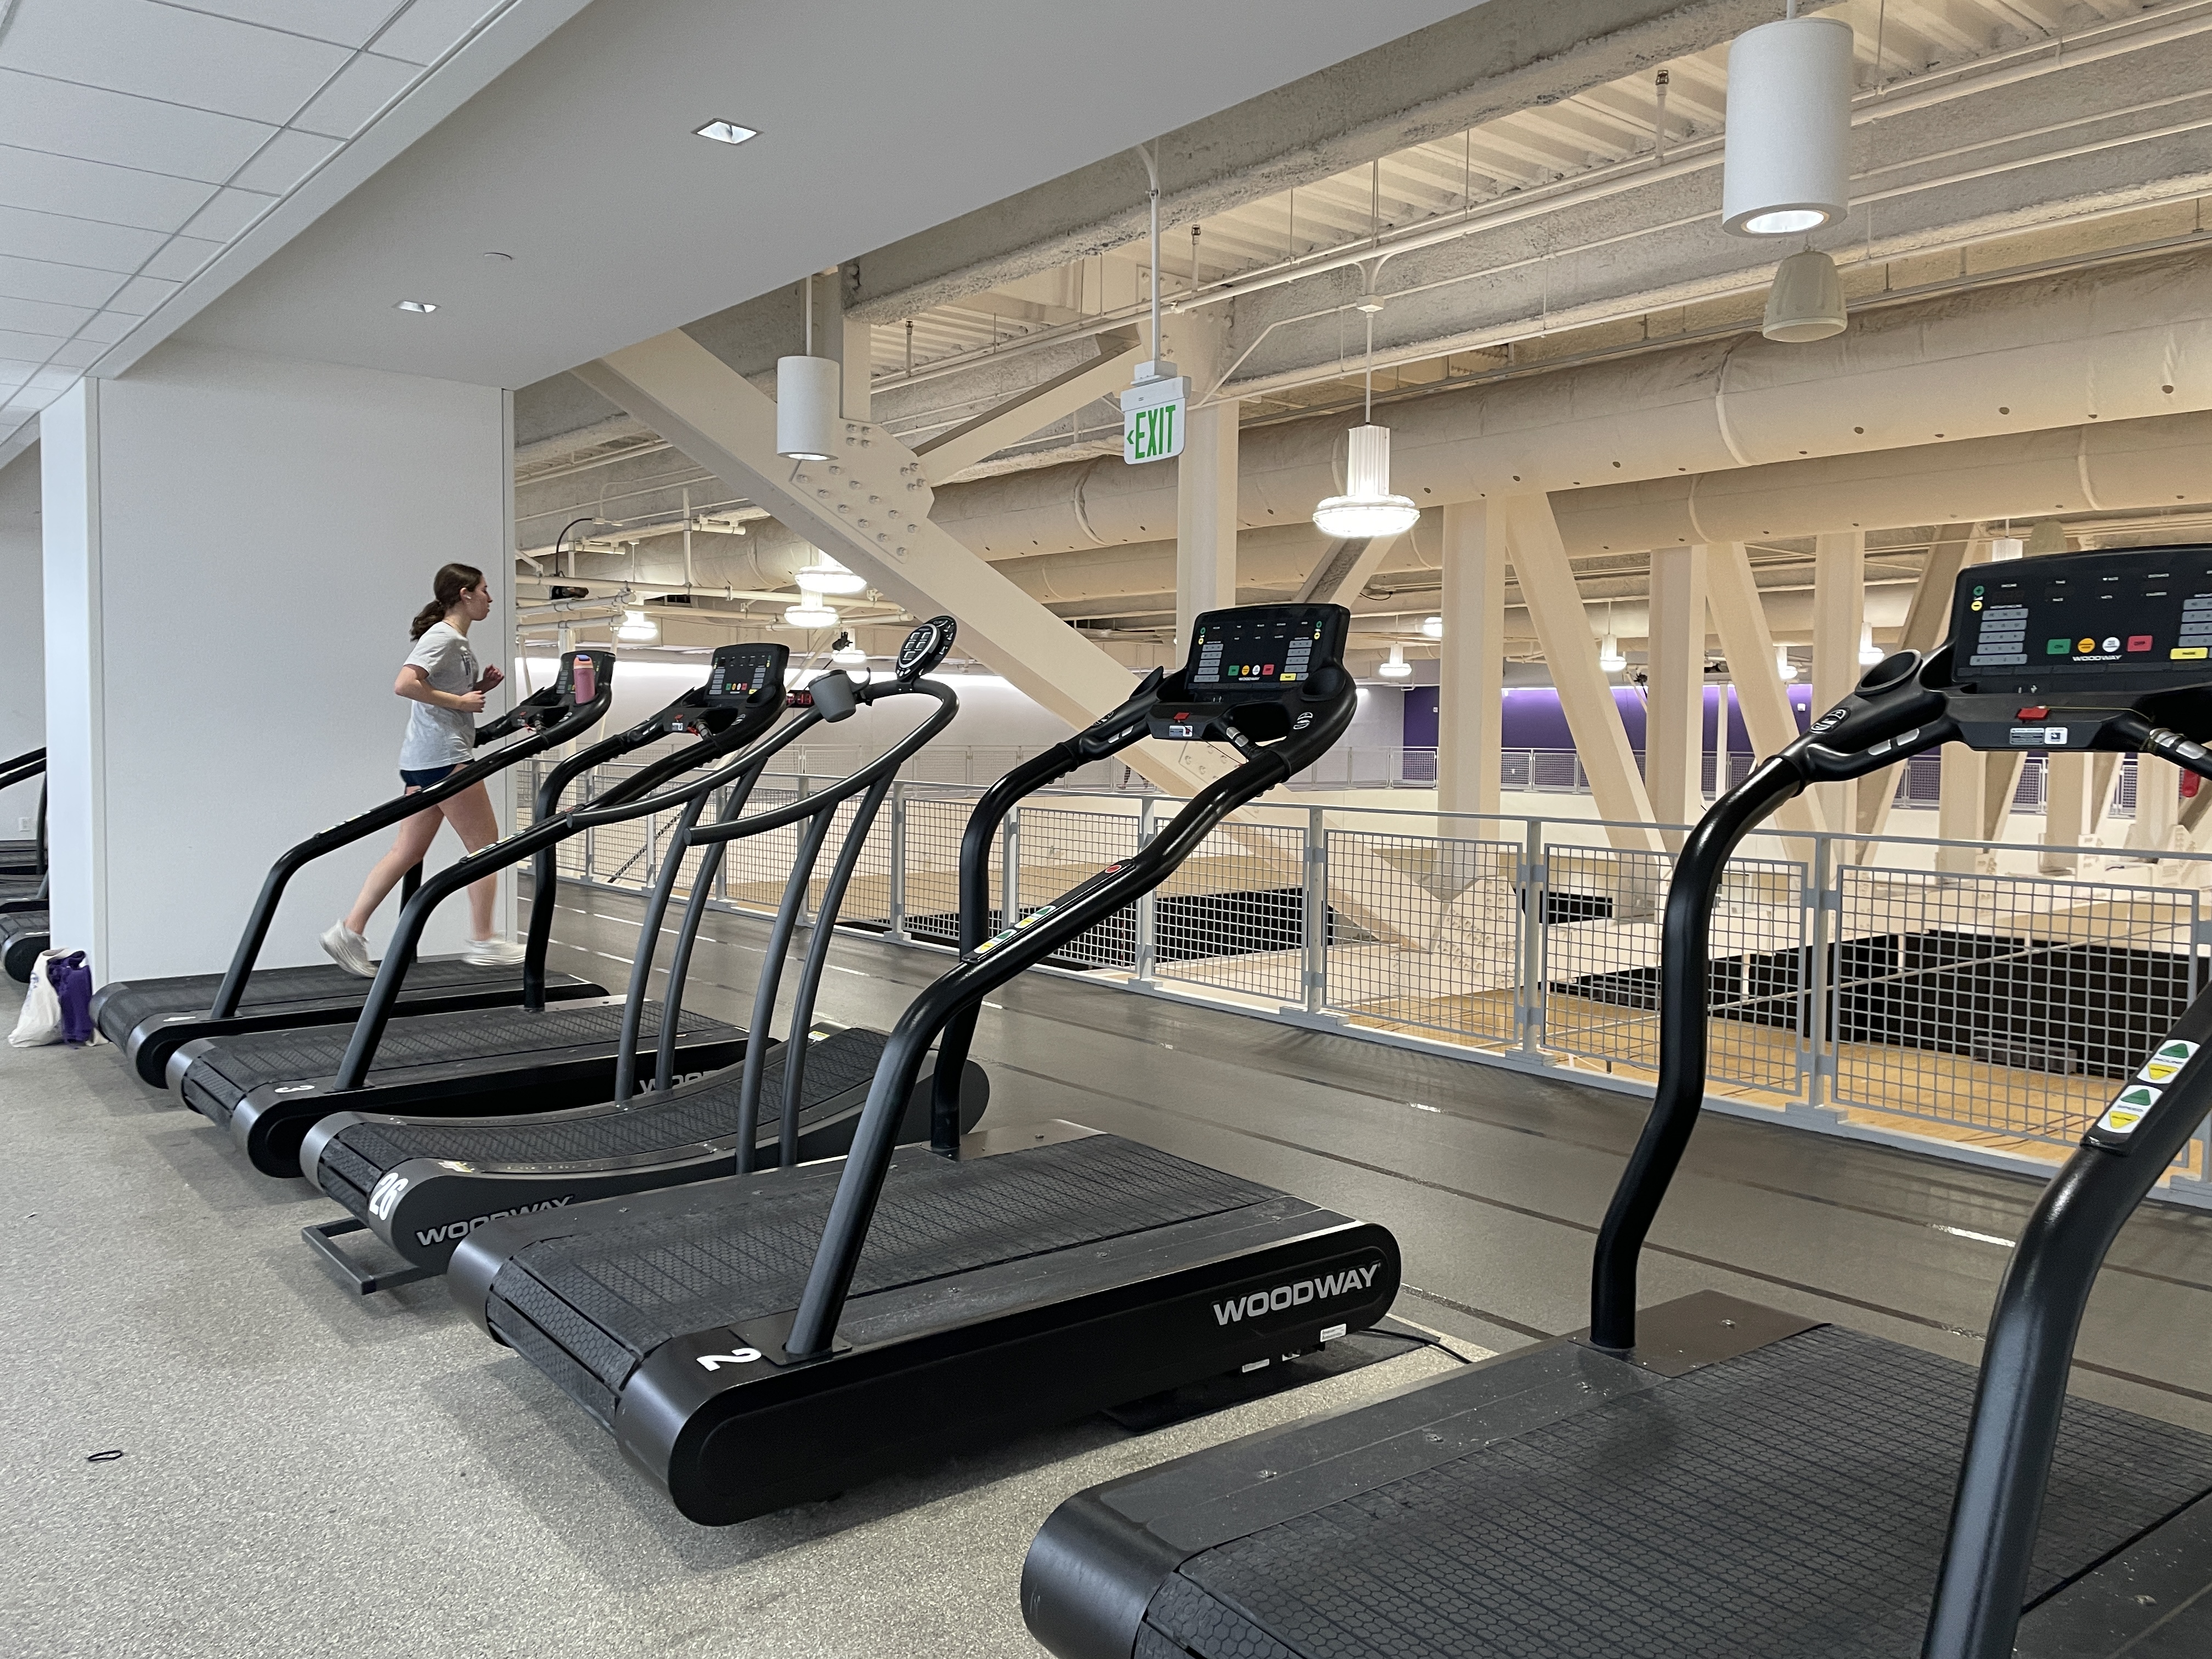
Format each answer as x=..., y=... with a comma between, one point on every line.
x=1528, y=1008
x=1205, y=481
x=1317, y=909
x=2158, y=805
x=1675, y=721
x=1146, y=951
x=895, y=923
x=2065, y=812
x=1009, y=869
x=1816, y=1043
x=1739, y=619
x=1563, y=629
x=1471, y=661
x=1961, y=810
x=1838, y=616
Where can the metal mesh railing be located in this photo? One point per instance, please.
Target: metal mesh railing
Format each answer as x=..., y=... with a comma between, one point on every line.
x=1980, y=1012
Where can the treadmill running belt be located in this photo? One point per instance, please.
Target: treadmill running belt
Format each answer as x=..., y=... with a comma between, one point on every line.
x=705, y=1111
x=612, y=1295
x=130, y=1005
x=1790, y=1502
x=246, y=1062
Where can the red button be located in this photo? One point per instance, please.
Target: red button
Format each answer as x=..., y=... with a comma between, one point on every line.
x=2038, y=713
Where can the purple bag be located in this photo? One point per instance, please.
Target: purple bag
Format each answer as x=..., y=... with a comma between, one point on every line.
x=72, y=983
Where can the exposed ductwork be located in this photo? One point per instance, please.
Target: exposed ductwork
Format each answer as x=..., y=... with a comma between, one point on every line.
x=2101, y=346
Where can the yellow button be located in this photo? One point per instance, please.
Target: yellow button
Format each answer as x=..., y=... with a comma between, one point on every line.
x=2186, y=653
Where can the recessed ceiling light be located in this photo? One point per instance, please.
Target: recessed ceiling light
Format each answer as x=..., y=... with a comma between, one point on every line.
x=420, y=307
x=504, y=259
x=727, y=132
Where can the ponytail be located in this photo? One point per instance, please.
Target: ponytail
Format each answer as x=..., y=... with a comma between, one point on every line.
x=448, y=584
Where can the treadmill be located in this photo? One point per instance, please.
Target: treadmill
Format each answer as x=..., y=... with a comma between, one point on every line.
x=778, y=1335
x=1710, y=1476
x=25, y=926
x=148, y=1019
x=423, y=1184
x=268, y=1088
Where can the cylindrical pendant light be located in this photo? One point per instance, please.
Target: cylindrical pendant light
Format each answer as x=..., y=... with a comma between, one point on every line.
x=1869, y=652
x=1807, y=300
x=1397, y=668
x=1367, y=509
x=826, y=575
x=1610, y=659
x=1787, y=167
x=2006, y=547
x=807, y=407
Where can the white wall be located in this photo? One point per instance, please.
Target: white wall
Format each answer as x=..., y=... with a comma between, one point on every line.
x=22, y=649
x=233, y=546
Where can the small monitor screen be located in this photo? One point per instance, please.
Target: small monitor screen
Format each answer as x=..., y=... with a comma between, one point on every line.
x=2086, y=615
x=1260, y=646
x=742, y=671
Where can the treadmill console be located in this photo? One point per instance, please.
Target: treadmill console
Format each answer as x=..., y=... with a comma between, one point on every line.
x=1257, y=671
x=2134, y=620
x=741, y=676
x=925, y=648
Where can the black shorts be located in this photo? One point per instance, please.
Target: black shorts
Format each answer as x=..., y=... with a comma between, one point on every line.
x=427, y=775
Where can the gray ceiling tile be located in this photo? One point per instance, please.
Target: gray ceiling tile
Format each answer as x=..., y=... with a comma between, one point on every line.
x=98, y=125
x=227, y=214
x=77, y=354
x=39, y=317
x=141, y=295
x=67, y=285
x=108, y=327
x=427, y=27
x=348, y=22
x=97, y=191
x=77, y=241
x=344, y=106
x=181, y=257
x=284, y=160
x=38, y=347
x=14, y=374
x=179, y=57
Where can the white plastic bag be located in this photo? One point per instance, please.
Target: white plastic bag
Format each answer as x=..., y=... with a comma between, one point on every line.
x=41, y=1022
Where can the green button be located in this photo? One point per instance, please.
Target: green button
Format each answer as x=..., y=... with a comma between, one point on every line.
x=2059, y=647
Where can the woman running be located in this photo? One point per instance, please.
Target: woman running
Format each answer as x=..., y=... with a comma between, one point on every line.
x=440, y=678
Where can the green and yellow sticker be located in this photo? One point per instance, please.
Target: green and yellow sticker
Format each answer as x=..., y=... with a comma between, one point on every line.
x=2133, y=1105
x=2162, y=1066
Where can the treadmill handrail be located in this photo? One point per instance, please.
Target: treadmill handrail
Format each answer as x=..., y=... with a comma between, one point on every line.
x=23, y=759
x=581, y=717
x=867, y=1165
x=415, y=915
x=16, y=772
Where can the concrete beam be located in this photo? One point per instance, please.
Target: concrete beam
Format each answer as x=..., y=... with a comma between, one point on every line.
x=1493, y=59
x=1675, y=718
x=1472, y=662
x=1749, y=648
x=1926, y=621
x=869, y=509
x=1054, y=399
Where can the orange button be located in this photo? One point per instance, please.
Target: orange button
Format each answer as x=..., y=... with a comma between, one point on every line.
x=2038, y=713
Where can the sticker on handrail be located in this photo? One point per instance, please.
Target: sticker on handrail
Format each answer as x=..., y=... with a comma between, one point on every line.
x=2130, y=1110
x=2170, y=1058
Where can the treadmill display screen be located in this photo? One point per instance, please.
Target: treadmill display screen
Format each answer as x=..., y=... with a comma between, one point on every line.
x=1258, y=645
x=2086, y=615
x=742, y=672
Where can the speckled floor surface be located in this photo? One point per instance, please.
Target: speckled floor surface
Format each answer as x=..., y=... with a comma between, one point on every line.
x=307, y=1471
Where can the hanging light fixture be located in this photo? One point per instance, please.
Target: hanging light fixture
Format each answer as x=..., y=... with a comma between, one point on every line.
x=807, y=398
x=809, y=612
x=826, y=575
x=1397, y=668
x=1807, y=300
x=1432, y=627
x=1869, y=652
x=1782, y=665
x=846, y=654
x=1367, y=511
x=2006, y=547
x=1786, y=166
x=637, y=627
x=1609, y=658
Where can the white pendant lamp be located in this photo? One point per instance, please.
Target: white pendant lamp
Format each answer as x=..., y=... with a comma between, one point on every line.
x=826, y=575
x=1869, y=652
x=2047, y=536
x=846, y=654
x=1782, y=665
x=1367, y=510
x=809, y=612
x=1609, y=658
x=808, y=398
x=2006, y=547
x=1786, y=169
x=637, y=629
x=1397, y=668
x=1432, y=627
x=1807, y=300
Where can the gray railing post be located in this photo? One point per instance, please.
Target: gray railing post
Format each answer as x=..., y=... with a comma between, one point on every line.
x=895, y=923
x=1816, y=1050
x=1317, y=909
x=1528, y=1007
x=1009, y=869
x=1143, y=952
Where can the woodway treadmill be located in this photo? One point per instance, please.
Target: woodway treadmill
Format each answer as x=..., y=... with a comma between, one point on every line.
x=150, y=1019
x=1711, y=1477
x=268, y=1088
x=421, y=1185
x=775, y=1337
x=24, y=920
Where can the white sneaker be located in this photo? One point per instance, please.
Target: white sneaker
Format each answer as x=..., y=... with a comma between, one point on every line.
x=348, y=949
x=492, y=953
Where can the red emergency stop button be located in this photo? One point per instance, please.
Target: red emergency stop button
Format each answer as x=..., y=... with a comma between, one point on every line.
x=2038, y=713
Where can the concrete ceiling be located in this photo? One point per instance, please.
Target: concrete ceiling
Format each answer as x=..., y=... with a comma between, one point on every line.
x=151, y=150
x=877, y=121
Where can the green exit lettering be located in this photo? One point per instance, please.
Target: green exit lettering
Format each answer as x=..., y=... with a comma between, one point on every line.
x=1152, y=435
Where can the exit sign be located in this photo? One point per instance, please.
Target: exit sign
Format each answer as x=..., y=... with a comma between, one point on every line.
x=1152, y=420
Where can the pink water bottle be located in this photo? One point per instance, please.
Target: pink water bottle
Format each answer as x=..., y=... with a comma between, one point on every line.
x=587, y=678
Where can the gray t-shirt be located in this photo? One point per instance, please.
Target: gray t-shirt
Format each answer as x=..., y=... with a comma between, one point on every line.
x=440, y=737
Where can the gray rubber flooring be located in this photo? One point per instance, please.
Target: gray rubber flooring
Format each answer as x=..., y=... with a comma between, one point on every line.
x=306, y=1472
